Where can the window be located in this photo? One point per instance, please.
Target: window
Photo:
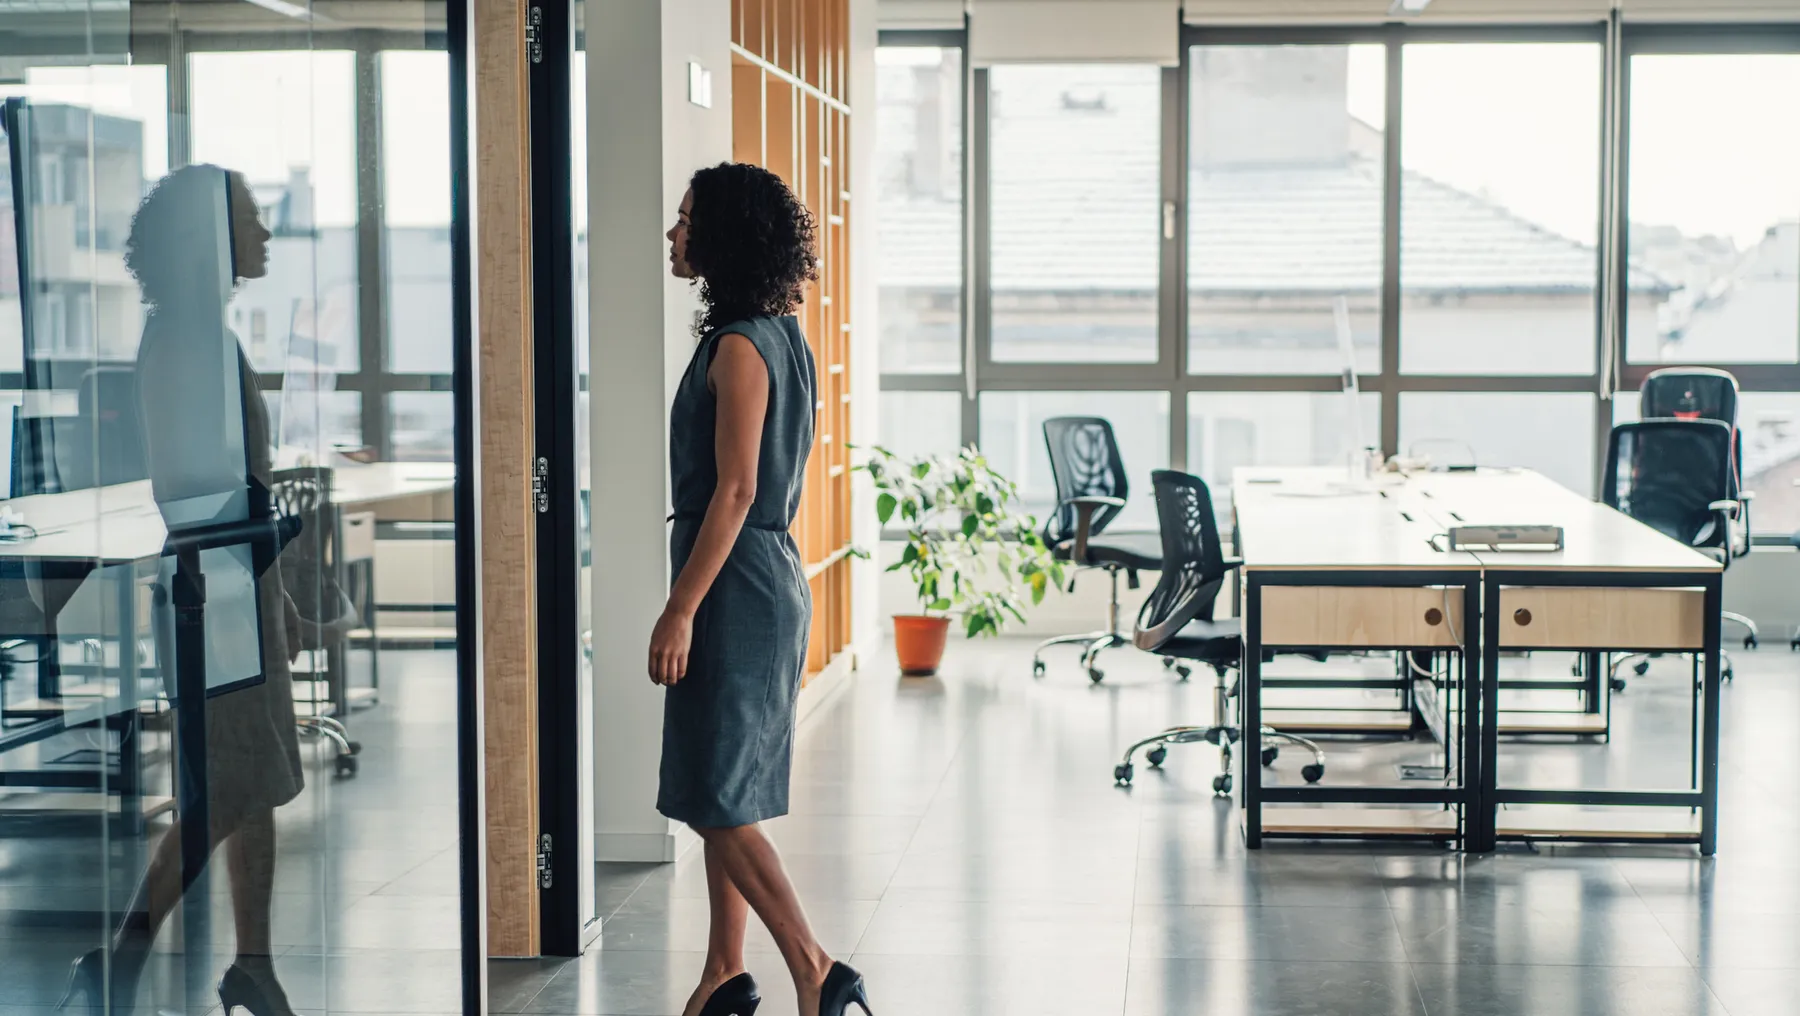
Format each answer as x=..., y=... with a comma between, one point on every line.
x=916, y=424
x=1012, y=435
x=1284, y=207
x=1550, y=432
x=422, y=426
x=415, y=125
x=919, y=207
x=1714, y=209
x=287, y=120
x=1075, y=220
x=1232, y=430
x=1500, y=208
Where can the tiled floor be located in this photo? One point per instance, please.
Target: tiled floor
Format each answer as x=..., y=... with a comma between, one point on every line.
x=959, y=840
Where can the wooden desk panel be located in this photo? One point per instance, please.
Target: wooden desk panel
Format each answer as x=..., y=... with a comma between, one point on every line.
x=1599, y=617
x=1355, y=616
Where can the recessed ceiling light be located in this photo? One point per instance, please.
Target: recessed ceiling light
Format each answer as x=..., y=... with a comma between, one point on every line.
x=1408, y=6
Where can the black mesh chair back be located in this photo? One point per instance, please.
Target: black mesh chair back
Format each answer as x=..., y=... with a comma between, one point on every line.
x=1689, y=393
x=1193, y=557
x=309, y=561
x=1696, y=393
x=1085, y=462
x=1668, y=473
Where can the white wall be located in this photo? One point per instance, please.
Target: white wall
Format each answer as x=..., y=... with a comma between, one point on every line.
x=866, y=619
x=646, y=140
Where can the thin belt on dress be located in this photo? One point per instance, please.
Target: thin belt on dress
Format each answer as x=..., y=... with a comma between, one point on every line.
x=766, y=527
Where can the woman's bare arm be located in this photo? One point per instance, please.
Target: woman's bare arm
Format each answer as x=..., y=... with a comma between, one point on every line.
x=740, y=379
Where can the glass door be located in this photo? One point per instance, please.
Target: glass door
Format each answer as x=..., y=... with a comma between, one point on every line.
x=565, y=673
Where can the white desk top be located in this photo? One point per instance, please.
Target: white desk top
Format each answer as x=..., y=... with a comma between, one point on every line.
x=120, y=523
x=1292, y=519
x=1312, y=518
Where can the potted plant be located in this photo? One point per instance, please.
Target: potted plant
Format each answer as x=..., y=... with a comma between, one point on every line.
x=970, y=555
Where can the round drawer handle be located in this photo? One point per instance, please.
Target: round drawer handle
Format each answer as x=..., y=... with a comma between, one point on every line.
x=1522, y=616
x=1434, y=617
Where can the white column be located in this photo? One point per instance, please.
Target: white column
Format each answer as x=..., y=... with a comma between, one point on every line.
x=866, y=620
x=644, y=140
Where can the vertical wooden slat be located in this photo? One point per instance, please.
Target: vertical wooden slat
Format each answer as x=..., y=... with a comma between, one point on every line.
x=798, y=129
x=504, y=354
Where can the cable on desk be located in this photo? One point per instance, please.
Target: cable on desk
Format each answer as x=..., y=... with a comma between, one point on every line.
x=12, y=534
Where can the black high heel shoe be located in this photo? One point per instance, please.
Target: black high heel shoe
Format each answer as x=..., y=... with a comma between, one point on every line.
x=87, y=976
x=843, y=985
x=736, y=997
x=237, y=989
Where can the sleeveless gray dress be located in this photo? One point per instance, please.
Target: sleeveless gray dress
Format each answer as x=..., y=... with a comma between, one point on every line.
x=728, y=726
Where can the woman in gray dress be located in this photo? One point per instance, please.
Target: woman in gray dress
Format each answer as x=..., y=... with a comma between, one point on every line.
x=731, y=644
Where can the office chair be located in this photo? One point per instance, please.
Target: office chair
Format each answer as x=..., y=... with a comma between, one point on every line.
x=105, y=434
x=1705, y=393
x=1177, y=622
x=309, y=568
x=1674, y=475
x=1090, y=492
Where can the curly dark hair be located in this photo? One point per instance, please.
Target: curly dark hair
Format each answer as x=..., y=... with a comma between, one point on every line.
x=751, y=243
x=169, y=229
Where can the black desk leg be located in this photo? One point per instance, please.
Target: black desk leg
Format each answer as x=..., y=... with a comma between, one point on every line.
x=130, y=782
x=1469, y=695
x=1250, y=708
x=1485, y=684
x=1709, y=727
x=1593, y=673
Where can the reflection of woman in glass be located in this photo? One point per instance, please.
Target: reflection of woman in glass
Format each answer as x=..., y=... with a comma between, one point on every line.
x=731, y=643
x=197, y=442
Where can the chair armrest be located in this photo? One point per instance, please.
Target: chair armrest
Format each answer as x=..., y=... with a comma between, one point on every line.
x=1085, y=507
x=1727, y=508
x=1233, y=563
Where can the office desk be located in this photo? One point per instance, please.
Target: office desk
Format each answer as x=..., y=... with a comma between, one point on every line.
x=1617, y=586
x=118, y=532
x=1360, y=570
x=1330, y=568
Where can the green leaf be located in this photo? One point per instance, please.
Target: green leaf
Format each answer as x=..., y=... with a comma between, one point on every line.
x=1040, y=584
x=884, y=507
x=984, y=504
x=970, y=525
x=911, y=554
x=921, y=469
x=896, y=566
x=939, y=604
x=977, y=621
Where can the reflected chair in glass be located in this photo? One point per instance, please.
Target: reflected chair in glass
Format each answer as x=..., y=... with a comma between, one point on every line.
x=1706, y=393
x=1177, y=623
x=1674, y=475
x=1090, y=493
x=310, y=572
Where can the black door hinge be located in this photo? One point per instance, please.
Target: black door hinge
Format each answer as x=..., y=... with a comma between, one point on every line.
x=534, y=34
x=540, y=485
x=545, y=872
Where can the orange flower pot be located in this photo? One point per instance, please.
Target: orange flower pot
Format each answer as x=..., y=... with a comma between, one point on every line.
x=919, y=642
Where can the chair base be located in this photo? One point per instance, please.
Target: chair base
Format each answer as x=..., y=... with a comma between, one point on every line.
x=1091, y=643
x=329, y=729
x=1223, y=735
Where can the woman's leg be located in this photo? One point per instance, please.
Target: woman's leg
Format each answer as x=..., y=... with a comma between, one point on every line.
x=754, y=867
x=725, y=935
x=250, y=864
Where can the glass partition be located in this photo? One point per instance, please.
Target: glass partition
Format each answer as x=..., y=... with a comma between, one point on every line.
x=228, y=686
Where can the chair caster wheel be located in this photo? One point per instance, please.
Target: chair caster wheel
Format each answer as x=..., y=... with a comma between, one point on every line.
x=1750, y=642
x=345, y=766
x=1641, y=668
x=1312, y=773
x=1726, y=674
x=1156, y=756
x=1037, y=668
x=1269, y=755
x=1185, y=673
x=1122, y=774
x=1222, y=785
x=1168, y=663
x=1096, y=675
x=356, y=747
x=1618, y=684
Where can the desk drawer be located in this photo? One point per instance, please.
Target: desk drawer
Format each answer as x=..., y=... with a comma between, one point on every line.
x=1583, y=617
x=359, y=536
x=1350, y=616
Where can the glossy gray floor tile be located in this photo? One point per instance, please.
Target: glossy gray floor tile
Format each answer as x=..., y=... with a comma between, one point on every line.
x=960, y=841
